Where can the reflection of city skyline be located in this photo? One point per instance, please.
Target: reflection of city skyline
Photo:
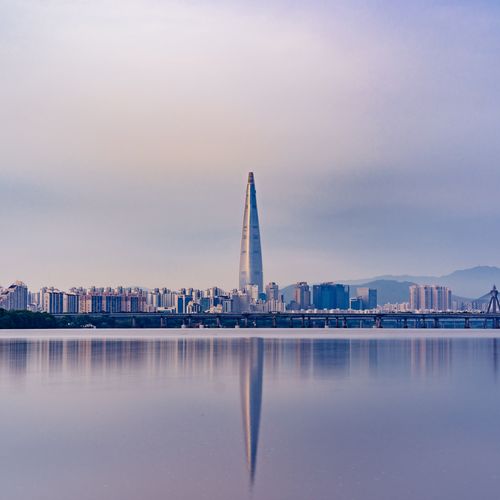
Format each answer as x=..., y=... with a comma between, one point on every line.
x=304, y=358
x=250, y=359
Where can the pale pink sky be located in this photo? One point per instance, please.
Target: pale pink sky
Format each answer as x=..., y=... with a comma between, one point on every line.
x=128, y=129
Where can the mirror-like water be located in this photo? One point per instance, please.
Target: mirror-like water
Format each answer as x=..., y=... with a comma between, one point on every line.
x=211, y=417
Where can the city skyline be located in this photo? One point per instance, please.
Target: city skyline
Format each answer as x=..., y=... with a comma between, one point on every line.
x=130, y=163
x=321, y=298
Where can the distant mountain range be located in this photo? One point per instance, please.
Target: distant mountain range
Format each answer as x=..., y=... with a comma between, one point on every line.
x=388, y=291
x=474, y=282
x=466, y=284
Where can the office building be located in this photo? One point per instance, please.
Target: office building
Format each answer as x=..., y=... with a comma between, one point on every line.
x=356, y=303
x=251, y=272
x=331, y=296
x=368, y=297
x=301, y=296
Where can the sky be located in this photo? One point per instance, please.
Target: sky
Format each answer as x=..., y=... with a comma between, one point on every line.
x=128, y=128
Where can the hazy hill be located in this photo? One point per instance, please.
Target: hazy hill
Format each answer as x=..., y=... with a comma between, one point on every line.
x=474, y=282
x=388, y=291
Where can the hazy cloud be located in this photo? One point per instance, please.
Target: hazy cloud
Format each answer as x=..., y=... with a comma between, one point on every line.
x=128, y=128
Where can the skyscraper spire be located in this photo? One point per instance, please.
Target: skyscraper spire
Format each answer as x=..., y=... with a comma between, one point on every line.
x=251, y=253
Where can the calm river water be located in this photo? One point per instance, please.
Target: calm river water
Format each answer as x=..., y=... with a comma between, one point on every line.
x=140, y=415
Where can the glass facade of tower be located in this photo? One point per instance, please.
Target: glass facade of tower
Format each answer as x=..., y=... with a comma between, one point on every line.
x=331, y=296
x=251, y=272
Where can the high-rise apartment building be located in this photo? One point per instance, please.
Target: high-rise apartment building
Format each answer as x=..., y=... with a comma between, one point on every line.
x=135, y=302
x=15, y=297
x=70, y=303
x=90, y=303
x=53, y=301
x=430, y=298
x=112, y=303
x=272, y=291
x=240, y=301
x=274, y=305
x=181, y=303
x=253, y=292
x=251, y=272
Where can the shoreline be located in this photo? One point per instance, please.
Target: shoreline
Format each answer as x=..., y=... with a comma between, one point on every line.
x=227, y=333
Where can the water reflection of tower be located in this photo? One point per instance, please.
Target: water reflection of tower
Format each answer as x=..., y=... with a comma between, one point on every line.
x=251, y=374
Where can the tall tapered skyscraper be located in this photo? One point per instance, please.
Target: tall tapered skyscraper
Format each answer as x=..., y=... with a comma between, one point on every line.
x=251, y=252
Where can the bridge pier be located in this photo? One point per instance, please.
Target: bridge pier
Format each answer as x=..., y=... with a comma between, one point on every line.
x=291, y=322
x=327, y=322
x=466, y=323
x=344, y=323
x=496, y=323
x=218, y=322
x=303, y=321
x=379, y=322
x=274, y=322
x=436, y=322
x=405, y=323
x=134, y=324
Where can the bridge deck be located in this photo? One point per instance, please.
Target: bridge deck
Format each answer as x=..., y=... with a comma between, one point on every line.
x=336, y=319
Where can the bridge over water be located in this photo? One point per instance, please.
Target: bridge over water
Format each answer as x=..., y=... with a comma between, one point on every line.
x=284, y=320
